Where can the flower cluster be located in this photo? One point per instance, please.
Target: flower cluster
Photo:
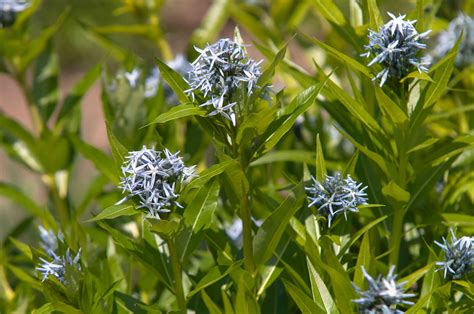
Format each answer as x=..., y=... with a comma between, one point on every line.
x=180, y=65
x=9, y=9
x=155, y=178
x=336, y=195
x=447, y=39
x=396, y=47
x=458, y=256
x=383, y=295
x=219, y=70
x=60, y=264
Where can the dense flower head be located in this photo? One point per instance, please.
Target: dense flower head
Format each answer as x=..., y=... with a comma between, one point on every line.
x=447, y=39
x=155, y=178
x=383, y=294
x=336, y=195
x=396, y=47
x=219, y=70
x=58, y=264
x=458, y=256
x=9, y=10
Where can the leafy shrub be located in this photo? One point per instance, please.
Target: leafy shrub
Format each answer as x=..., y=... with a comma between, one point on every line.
x=316, y=189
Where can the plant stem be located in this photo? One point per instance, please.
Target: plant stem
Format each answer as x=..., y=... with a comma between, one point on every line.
x=59, y=202
x=247, y=234
x=396, y=237
x=36, y=119
x=178, y=277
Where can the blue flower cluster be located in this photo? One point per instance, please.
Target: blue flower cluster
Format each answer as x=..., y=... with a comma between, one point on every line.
x=59, y=264
x=154, y=177
x=447, y=39
x=219, y=70
x=396, y=47
x=458, y=256
x=9, y=10
x=336, y=195
x=383, y=295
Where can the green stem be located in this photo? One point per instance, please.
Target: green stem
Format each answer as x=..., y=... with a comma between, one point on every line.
x=178, y=276
x=247, y=234
x=36, y=119
x=396, y=237
x=59, y=202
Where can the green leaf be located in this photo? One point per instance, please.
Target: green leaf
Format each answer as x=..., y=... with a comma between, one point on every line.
x=343, y=290
x=359, y=233
x=212, y=23
x=418, y=75
x=394, y=191
x=76, y=94
x=281, y=126
x=133, y=29
x=212, y=276
x=39, y=44
x=389, y=107
x=114, y=49
x=200, y=211
x=354, y=107
x=181, y=111
x=375, y=18
x=211, y=306
x=118, y=150
x=45, y=89
x=100, y=160
x=245, y=302
x=427, y=178
x=353, y=64
x=268, y=74
x=115, y=211
x=269, y=234
x=174, y=80
x=209, y=173
x=363, y=259
x=429, y=142
x=379, y=160
x=321, y=294
x=165, y=228
x=25, y=277
x=24, y=143
x=321, y=172
x=416, y=275
x=461, y=220
x=330, y=11
x=301, y=156
x=303, y=301
x=22, y=247
x=350, y=167
x=444, y=68
x=14, y=194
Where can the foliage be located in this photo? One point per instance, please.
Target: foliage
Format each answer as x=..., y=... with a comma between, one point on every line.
x=235, y=234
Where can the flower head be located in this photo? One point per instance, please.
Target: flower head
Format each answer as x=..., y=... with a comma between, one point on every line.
x=336, y=195
x=458, y=256
x=154, y=177
x=49, y=240
x=9, y=10
x=383, y=295
x=219, y=70
x=396, y=47
x=58, y=265
x=447, y=39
